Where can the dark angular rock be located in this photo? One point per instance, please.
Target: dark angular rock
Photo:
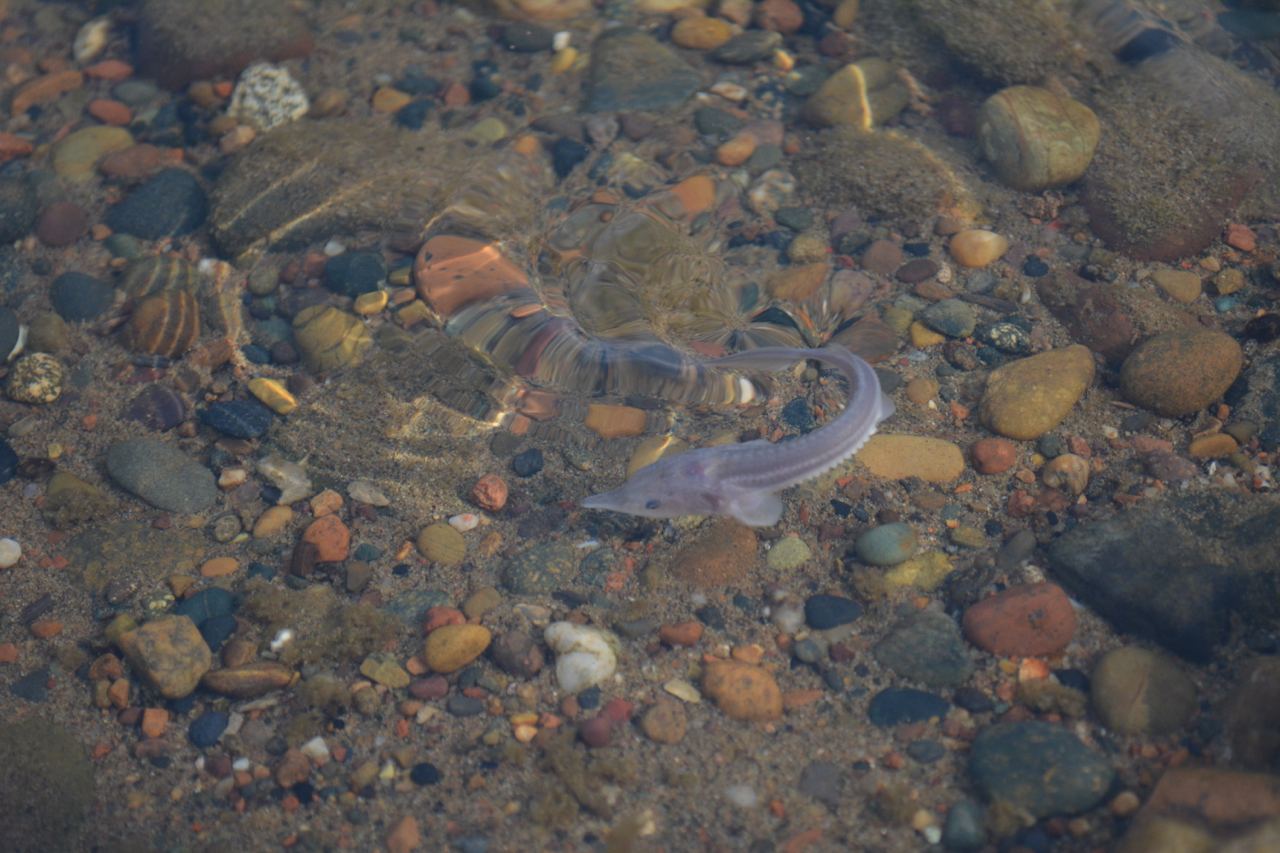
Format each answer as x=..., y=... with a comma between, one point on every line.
x=238, y=418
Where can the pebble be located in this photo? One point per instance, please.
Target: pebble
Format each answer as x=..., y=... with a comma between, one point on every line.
x=631, y=70
x=247, y=419
x=823, y=612
x=206, y=604
x=993, y=455
x=748, y=47
x=78, y=297
x=700, y=32
x=44, y=89
x=329, y=338
x=1091, y=313
x=441, y=544
x=788, y=554
x=36, y=378
x=665, y=721
x=169, y=654
x=8, y=462
x=19, y=206
x=206, y=729
x=1028, y=397
x=11, y=334
x=916, y=270
x=451, y=647
x=742, y=691
x=76, y=155
x=328, y=539
x=517, y=654
x=822, y=780
x=720, y=555
x=161, y=474
x=887, y=544
x=61, y=224
x=954, y=318
x=1180, y=372
x=894, y=706
x=882, y=256
x=1031, y=620
x=247, y=680
x=266, y=97
x=543, y=568
x=352, y=274
x=273, y=395
x=170, y=204
x=1180, y=285
x=10, y=553
x=1039, y=768
x=1138, y=691
x=976, y=247
x=900, y=457
x=527, y=463
x=926, y=647
x=585, y=656
x=965, y=828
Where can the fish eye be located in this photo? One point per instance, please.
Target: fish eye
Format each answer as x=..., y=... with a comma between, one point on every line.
x=652, y=503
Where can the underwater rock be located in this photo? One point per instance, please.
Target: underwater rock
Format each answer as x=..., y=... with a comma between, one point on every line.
x=1037, y=139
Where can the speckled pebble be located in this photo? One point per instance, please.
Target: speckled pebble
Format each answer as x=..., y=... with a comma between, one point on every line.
x=926, y=647
x=742, y=691
x=1039, y=768
x=954, y=318
x=1177, y=373
x=787, y=554
x=36, y=378
x=238, y=418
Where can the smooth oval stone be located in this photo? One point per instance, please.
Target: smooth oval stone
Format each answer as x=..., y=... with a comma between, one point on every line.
x=1026, y=398
x=238, y=418
x=927, y=647
x=354, y=273
x=162, y=475
x=1038, y=767
x=157, y=407
x=631, y=70
x=168, y=205
x=896, y=705
x=1138, y=691
x=78, y=297
x=829, y=611
x=952, y=317
x=886, y=545
x=1180, y=372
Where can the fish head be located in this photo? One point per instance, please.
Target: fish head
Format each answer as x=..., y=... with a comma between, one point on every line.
x=668, y=488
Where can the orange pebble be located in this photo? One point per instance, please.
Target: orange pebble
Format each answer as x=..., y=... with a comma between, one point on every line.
x=110, y=112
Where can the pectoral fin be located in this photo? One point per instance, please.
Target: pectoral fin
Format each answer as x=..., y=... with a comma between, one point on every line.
x=756, y=509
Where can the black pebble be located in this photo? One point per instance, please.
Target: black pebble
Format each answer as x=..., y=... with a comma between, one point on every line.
x=167, y=205
x=413, y=115
x=528, y=463
x=78, y=297
x=1034, y=267
x=238, y=418
x=354, y=273
x=216, y=631
x=33, y=687
x=207, y=728
x=425, y=773
x=567, y=153
x=8, y=462
x=798, y=415
x=206, y=604
x=829, y=611
x=1263, y=328
x=896, y=705
x=973, y=700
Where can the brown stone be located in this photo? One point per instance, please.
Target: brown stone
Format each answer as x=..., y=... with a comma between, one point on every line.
x=1180, y=372
x=681, y=633
x=330, y=538
x=1091, y=312
x=169, y=653
x=43, y=89
x=1224, y=799
x=61, y=223
x=138, y=162
x=664, y=721
x=249, y=680
x=882, y=257
x=721, y=555
x=1032, y=620
x=993, y=455
x=743, y=691
x=490, y=493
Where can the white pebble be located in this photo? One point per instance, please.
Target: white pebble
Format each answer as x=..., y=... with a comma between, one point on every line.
x=464, y=521
x=742, y=796
x=561, y=40
x=365, y=492
x=316, y=749
x=282, y=638
x=585, y=656
x=10, y=553
x=91, y=40
x=334, y=248
x=241, y=764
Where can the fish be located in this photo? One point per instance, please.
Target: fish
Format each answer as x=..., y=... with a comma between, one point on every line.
x=744, y=481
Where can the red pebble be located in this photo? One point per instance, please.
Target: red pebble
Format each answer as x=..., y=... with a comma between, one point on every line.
x=597, y=732
x=490, y=493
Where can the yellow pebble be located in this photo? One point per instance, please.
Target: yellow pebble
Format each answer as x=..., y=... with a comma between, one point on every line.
x=272, y=522
x=922, y=336
x=388, y=100
x=563, y=60
x=372, y=302
x=273, y=395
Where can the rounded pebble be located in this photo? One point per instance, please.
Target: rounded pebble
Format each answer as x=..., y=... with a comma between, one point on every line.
x=1138, y=691
x=1177, y=373
x=441, y=544
x=1039, y=768
x=822, y=612
x=993, y=455
x=162, y=475
x=742, y=691
x=1028, y=397
x=788, y=554
x=78, y=297
x=900, y=457
x=886, y=545
x=451, y=647
x=36, y=378
x=10, y=553
x=1032, y=620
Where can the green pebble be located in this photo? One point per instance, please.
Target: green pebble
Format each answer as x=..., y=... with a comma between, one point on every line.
x=970, y=537
x=886, y=545
x=789, y=553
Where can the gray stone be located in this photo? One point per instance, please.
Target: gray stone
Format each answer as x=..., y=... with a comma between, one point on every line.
x=1179, y=571
x=162, y=475
x=1039, y=768
x=927, y=647
x=631, y=70
x=821, y=780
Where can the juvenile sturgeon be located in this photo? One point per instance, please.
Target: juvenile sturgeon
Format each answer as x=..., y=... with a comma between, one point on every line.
x=743, y=480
